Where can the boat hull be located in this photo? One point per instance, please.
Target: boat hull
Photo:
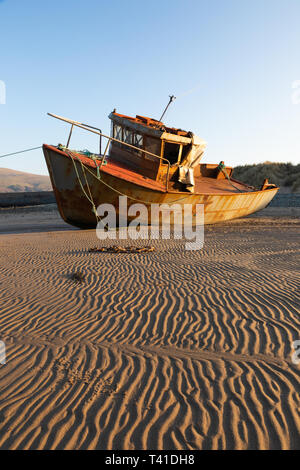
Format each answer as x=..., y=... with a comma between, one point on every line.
x=74, y=190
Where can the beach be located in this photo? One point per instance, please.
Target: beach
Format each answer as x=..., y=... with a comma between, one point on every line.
x=173, y=349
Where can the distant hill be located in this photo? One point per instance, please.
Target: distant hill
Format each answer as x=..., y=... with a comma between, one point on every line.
x=285, y=175
x=12, y=181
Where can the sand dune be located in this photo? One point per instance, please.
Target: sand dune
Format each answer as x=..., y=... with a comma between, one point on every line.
x=284, y=175
x=163, y=350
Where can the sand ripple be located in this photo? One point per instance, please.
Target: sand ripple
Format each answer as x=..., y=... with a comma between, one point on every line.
x=162, y=350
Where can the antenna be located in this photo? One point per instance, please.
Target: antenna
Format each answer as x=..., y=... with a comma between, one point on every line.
x=172, y=98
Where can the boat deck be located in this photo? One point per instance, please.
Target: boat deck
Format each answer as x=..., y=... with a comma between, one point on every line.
x=221, y=186
x=203, y=185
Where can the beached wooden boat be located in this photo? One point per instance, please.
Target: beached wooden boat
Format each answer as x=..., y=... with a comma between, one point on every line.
x=149, y=163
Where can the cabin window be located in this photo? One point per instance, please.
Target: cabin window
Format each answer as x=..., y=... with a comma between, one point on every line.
x=171, y=152
x=128, y=136
x=117, y=132
x=138, y=140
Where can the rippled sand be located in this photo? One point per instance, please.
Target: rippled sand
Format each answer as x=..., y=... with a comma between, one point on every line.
x=163, y=350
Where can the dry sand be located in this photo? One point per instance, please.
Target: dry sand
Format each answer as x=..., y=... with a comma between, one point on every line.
x=163, y=350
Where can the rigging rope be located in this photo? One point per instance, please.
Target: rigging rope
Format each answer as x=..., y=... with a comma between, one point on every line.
x=21, y=151
x=90, y=199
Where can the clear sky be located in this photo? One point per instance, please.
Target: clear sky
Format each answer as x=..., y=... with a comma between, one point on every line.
x=231, y=63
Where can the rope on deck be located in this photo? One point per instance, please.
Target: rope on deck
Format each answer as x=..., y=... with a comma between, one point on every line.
x=222, y=167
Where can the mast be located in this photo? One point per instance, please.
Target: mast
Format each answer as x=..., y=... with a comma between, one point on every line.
x=172, y=98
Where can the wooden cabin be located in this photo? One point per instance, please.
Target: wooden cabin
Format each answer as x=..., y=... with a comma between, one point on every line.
x=175, y=153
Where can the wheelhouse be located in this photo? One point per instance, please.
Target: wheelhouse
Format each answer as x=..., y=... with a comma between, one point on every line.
x=170, y=148
x=151, y=135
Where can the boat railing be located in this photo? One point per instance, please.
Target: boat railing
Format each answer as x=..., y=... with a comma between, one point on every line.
x=97, y=131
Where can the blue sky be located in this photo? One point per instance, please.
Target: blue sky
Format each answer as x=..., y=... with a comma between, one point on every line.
x=231, y=63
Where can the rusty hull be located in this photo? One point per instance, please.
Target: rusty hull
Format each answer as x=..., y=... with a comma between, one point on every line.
x=76, y=209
